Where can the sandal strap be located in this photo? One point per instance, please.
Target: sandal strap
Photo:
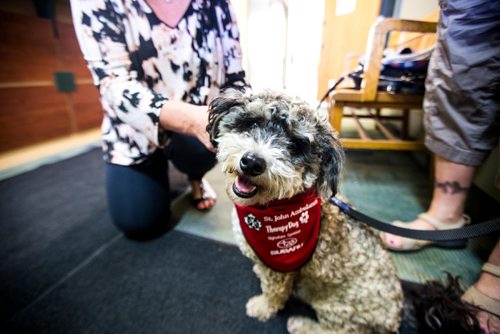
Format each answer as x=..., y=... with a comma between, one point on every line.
x=482, y=301
x=492, y=269
x=465, y=219
x=207, y=192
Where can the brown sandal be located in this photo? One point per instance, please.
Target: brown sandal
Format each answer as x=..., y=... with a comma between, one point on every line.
x=207, y=193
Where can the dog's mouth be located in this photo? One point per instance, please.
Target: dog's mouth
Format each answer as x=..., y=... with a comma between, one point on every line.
x=244, y=188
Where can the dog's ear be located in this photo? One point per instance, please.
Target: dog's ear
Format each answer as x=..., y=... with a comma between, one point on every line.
x=332, y=160
x=221, y=106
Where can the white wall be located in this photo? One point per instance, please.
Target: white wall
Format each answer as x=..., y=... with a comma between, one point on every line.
x=305, y=29
x=266, y=40
x=414, y=9
x=281, y=41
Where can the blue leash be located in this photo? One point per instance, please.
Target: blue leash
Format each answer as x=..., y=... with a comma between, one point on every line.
x=466, y=232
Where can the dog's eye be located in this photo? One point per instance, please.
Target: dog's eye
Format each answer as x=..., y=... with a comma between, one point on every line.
x=299, y=146
x=247, y=123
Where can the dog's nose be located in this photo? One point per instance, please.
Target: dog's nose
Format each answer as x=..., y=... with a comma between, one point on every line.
x=252, y=165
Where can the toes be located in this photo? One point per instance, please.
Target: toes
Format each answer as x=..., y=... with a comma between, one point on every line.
x=203, y=195
x=206, y=204
x=392, y=240
x=488, y=322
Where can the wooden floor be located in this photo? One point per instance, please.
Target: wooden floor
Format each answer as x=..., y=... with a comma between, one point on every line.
x=29, y=154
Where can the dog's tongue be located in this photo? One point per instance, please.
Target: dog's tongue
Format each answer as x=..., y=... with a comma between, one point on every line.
x=244, y=185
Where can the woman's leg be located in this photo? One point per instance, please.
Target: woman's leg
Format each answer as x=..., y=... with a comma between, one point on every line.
x=138, y=197
x=192, y=158
x=460, y=111
x=451, y=186
x=448, y=201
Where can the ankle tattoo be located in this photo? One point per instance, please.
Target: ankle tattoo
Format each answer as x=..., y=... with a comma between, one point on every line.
x=452, y=187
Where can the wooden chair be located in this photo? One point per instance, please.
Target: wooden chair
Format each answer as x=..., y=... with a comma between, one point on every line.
x=373, y=101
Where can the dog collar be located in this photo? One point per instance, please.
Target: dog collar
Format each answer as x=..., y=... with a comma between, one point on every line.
x=283, y=233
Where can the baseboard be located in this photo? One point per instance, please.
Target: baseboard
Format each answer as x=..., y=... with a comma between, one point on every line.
x=25, y=158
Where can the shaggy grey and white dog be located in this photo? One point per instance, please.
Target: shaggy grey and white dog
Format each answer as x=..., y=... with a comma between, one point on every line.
x=274, y=148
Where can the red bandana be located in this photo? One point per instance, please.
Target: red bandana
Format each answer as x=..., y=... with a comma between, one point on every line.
x=283, y=233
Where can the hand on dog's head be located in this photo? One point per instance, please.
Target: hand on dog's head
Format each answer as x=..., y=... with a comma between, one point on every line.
x=273, y=146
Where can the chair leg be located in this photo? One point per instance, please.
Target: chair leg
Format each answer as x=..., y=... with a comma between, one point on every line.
x=405, y=132
x=336, y=113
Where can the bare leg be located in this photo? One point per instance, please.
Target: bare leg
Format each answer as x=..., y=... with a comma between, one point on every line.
x=450, y=193
x=448, y=201
x=450, y=190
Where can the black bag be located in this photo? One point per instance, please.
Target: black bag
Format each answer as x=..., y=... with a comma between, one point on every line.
x=403, y=72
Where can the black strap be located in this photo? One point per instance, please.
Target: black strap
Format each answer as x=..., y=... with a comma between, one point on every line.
x=466, y=232
x=329, y=91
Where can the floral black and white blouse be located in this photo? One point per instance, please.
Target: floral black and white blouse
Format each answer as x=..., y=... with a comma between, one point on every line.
x=138, y=62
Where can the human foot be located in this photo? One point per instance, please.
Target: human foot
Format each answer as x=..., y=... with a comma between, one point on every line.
x=485, y=295
x=424, y=222
x=203, y=195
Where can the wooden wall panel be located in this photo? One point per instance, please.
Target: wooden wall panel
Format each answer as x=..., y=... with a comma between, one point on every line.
x=344, y=39
x=415, y=41
x=32, y=109
x=27, y=49
x=71, y=56
x=31, y=115
x=87, y=108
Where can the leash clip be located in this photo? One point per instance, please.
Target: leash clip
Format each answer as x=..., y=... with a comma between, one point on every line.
x=343, y=206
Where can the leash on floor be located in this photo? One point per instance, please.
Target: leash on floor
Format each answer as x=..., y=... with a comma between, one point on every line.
x=466, y=232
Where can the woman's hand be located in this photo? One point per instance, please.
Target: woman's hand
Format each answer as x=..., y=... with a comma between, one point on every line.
x=188, y=119
x=199, y=128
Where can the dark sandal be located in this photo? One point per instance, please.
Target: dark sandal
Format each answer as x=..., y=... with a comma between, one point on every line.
x=207, y=193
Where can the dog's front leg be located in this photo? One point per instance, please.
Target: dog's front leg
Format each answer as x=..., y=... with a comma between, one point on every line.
x=276, y=288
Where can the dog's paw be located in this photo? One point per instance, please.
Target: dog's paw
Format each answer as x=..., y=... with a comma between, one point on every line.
x=257, y=269
x=302, y=325
x=259, y=307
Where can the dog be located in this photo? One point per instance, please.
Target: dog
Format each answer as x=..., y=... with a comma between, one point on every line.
x=282, y=161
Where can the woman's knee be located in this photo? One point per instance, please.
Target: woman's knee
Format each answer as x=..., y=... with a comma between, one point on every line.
x=190, y=156
x=139, y=222
x=139, y=204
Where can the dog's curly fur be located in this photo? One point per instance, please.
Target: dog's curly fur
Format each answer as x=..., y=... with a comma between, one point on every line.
x=349, y=281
